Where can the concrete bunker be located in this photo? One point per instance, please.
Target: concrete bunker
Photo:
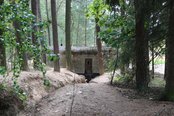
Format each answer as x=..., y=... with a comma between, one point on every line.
x=85, y=60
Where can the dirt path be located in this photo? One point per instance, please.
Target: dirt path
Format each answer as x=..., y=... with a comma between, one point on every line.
x=98, y=99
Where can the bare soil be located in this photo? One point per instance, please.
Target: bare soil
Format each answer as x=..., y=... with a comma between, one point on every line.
x=31, y=83
x=98, y=98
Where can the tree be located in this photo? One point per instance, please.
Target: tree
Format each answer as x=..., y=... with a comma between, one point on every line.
x=141, y=45
x=2, y=43
x=169, y=89
x=85, y=25
x=68, y=35
x=55, y=35
x=20, y=51
x=97, y=9
x=41, y=30
x=34, y=8
x=48, y=19
x=99, y=48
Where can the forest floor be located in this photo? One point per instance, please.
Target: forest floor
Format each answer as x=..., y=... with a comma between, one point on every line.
x=98, y=98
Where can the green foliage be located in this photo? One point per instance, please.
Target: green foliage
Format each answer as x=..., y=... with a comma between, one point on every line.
x=97, y=9
x=159, y=61
x=124, y=80
x=46, y=82
x=19, y=12
x=118, y=31
x=2, y=70
x=53, y=57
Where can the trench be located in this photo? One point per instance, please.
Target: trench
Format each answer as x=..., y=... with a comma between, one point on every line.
x=89, y=77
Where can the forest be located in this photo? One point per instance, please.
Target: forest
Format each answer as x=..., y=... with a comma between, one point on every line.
x=83, y=50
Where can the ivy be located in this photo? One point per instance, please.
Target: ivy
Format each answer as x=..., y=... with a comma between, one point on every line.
x=97, y=9
x=2, y=70
x=18, y=11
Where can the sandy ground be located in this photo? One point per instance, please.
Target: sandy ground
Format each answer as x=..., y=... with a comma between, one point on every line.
x=97, y=98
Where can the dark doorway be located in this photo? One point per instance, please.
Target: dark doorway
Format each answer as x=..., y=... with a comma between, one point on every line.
x=88, y=66
x=88, y=69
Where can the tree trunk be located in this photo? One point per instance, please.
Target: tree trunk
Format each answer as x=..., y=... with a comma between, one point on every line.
x=166, y=55
x=85, y=25
x=48, y=28
x=34, y=8
x=153, y=62
x=141, y=46
x=41, y=29
x=169, y=89
x=85, y=32
x=78, y=25
x=68, y=35
x=99, y=49
x=55, y=35
x=2, y=44
x=20, y=52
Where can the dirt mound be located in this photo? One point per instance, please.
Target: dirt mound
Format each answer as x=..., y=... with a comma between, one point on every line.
x=32, y=84
x=10, y=104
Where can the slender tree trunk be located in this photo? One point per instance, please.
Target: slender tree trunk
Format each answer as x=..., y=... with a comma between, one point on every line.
x=85, y=25
x=78, y=25
x=166, y=55
x=94, y=38
x=68, y=35
x=169, y=89
x=55, y=34
x=41, y=29
x=85, y=32
x=99, y=49
x=34, y=8
x=2, y=44
x=48, y=28
x=153, y=63
x=123, y=67
x=141, y=47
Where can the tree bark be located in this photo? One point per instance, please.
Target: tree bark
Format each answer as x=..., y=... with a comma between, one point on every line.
x=2, y=44
x=78, y=25
x=68, y=35
x=85, y=32
x=48, y=28
x=41, y=29
x=169, y=89
x=21, y=53
x=153, y=62
x=166, y=55
x=34, y=8
x=99, y=49
x=85, y=25
x=141, y=47
x=55, y=34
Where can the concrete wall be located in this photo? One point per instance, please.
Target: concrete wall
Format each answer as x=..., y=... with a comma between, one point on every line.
x=78, y=59
x=79, y=63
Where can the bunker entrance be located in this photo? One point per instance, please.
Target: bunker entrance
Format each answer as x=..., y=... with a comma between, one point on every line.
x=88, y=66
x=89, y=74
